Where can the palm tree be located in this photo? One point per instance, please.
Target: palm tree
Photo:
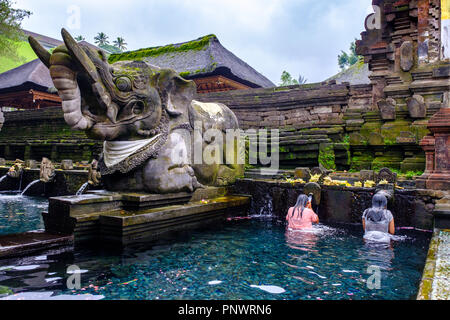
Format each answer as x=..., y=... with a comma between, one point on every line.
x=120, y=43
x=80, y=38
x=302, y=79
x=101, y=39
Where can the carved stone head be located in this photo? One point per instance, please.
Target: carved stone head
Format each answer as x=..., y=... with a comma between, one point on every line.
x=127, y=100
x=16, y=170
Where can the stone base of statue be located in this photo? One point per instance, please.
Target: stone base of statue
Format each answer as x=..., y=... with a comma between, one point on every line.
x=124, y=218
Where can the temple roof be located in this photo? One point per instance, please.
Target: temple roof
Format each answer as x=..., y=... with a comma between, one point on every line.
x=199, y=58
x=46, y=42
x=31, y=75
x=355, y=74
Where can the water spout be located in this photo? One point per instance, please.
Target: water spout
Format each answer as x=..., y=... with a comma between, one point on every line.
x=3, y=178
x=29, y=186
x=82, y=189
x=20, y=183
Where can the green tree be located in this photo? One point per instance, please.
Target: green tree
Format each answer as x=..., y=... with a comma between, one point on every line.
x=10, y=28
x=120, y=43
x=80, y=38
x=346, y=60
x=302, y=79
x=287, y=80
x=101, y=39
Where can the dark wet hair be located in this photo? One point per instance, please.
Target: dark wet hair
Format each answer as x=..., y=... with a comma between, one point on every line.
x=302, y=202
x=379, y=203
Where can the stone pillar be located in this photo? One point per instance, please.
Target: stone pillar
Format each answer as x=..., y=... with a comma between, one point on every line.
x=445, y=29
x=439, y=125
x=427, y=145
x=422, y=30
x=378, y=83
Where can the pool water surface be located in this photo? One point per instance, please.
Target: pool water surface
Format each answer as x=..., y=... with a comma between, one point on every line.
x=20, y=213
x=244, y=259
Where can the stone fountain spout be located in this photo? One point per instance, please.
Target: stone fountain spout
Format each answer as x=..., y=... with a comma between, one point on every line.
x=16, y=169
x=94, y=178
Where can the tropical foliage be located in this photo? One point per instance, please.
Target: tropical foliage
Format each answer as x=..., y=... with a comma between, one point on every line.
x=287, y=80
x=10, y=28
x=346, y=60
x=101, y=39
x=120, y=43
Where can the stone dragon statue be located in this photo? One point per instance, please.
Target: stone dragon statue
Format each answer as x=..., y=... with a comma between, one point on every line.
x=144, y=115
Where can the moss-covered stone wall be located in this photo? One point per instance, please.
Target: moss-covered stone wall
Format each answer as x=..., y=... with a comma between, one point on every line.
x=35, y=134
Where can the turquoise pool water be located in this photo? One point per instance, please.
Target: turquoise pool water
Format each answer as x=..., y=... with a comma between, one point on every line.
x=245, y=259
x=20, y=213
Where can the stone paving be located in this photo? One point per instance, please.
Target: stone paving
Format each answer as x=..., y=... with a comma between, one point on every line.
x=435, y=283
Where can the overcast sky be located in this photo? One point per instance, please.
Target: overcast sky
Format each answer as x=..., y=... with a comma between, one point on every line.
x=300, y=36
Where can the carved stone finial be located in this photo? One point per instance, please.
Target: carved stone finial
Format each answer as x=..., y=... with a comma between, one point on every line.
x=387, y=108
x=406, y=56
x=388, y=175
x=416, y=107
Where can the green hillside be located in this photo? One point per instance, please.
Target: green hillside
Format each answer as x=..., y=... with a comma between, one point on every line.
x=26, y=55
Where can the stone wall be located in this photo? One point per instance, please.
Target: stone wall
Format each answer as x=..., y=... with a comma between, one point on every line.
x=327, y=123
x=337, y=125
x=411, y=208
x=34, y=134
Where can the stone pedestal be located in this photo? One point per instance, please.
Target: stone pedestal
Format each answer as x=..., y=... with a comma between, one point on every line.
x=437, y=149
x=128, y=217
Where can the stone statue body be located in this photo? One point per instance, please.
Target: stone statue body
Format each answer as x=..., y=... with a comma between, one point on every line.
x=145, y=116
x=47, y=171
x=94, y=176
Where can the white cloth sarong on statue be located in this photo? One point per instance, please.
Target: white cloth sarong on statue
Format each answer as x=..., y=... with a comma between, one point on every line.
x=115, y=152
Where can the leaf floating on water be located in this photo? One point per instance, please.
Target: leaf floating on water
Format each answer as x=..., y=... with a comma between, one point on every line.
x=126, y=283
x=18, y=213
x=350, y=271
x=270, y=289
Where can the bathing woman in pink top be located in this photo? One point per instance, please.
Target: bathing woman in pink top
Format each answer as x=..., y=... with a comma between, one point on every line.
x=301, y=216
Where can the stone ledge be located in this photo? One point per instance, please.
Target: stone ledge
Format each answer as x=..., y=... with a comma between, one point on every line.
x=435, y=284
x=31, y=242
x=126, y=227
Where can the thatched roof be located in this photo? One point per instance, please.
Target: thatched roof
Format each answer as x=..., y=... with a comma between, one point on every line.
x=46, y=42
x=31, y=75
x=197, y=59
